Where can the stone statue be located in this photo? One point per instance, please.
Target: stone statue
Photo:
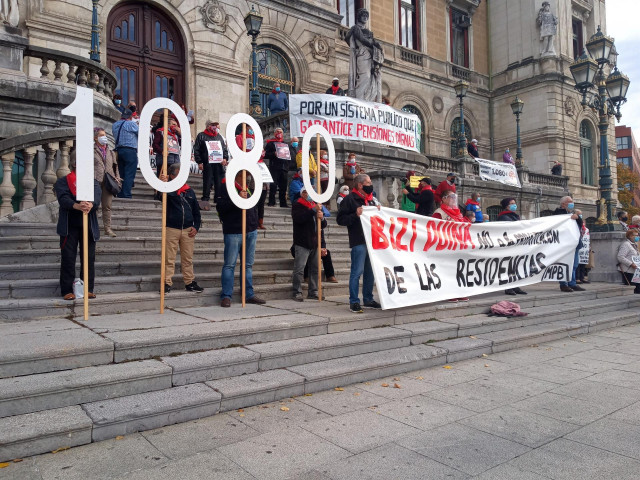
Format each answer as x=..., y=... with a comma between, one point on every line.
x=548, y=24
x=9, y=13
x=365, y=61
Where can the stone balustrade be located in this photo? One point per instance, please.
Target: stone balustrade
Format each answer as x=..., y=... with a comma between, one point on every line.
x=547, y=180
x=269, y=124
x=444, y=164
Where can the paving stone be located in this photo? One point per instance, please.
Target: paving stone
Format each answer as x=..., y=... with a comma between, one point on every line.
x=619, y=378
x=515, y=384
x=567, y=409
x=443, y=377
x=39, y=432
x=630, y=414
x=257, y=388
x=566, y=460
x=629, y=367
x=611, y=435
x=628, y=347
x=202, y=435
x=140, y=321
x=271, y=417
x=299, y=351
x=101, y=461
x=283, y=453
x=519, y=426
x=477, y=397
x=607, y=356
x=422, y=412
x=508, y=472
x=360, y=431
x=407, y=387
x=482, y=366
x=145, y=411
x=464, y=348
x=551, y=373
x=429, y=331
x=45, y=391
x=37, y=326
x=53, y=350
x=540, y=352
x=583, y=364
x=525, y=336
x=337, y=402
x=389, y=462
x=344, y=371
x=23, y=470
x=211, y=365
x=464, y=448
x=588, y=390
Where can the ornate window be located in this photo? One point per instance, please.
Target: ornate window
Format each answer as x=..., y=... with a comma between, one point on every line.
x=576, y=33
x=415, y=111
x=409, y=24
x=455, y=132
x=348, y=9
x=273, y=67
x=459, y=23
x=586, y=154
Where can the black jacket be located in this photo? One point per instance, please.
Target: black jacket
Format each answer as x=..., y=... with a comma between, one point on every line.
x=304, y=225
x=200, y=152
x=183, y=210
x=508, y=217
x=556, y=170
x=274, y=161
x=347, y=217
x=231, y=216
x=425, y=202
x=339, y=93
x=69, y=216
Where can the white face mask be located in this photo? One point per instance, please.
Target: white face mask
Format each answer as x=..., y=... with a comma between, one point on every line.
x=103, y=140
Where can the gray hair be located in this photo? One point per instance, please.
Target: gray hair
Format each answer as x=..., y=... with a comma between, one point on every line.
x=565, y=200
x=360, y=178
x=173, y=169
x=635, y=220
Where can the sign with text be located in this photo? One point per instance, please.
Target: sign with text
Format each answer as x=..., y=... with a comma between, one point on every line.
x=417, y=259
x=353, y=119
x=583, y=253
x=498, y=172
x=636, y=274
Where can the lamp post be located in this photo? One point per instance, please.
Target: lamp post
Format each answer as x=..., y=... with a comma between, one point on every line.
x=94, y=54
x=461, y=91
x=253, y=22
x=588, y=73
x=516, y=107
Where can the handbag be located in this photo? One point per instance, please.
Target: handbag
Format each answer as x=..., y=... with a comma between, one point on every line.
x=111, y=184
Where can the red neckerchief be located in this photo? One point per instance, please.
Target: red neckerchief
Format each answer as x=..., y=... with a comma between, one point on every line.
x=175, y=136
x=71, y=181
x=183, y=189
x=351, y=164
x=471, y=201
x=504, y=212
x=342, y=194
x=428, y=187
x=454, y=213
x=297, y=175
x=103, y=151
x=335, y=89
x=306, y=203
x=366, y=199
x=325, y=161
x=207, y=131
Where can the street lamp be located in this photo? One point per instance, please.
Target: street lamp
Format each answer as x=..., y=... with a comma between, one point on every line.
x=516, y=107
x=611, y=93
x=253, y=22
x=94, y=54
x=461, y=91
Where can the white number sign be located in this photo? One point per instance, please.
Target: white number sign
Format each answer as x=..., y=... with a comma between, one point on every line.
x=311, y=132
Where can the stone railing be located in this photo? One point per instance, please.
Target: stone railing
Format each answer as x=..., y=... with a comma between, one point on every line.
x=411, y=56
x=269, y=124
x=460, y=72
x=56, y=145
x=443, y=164
x=547, y=180
x=73, y=69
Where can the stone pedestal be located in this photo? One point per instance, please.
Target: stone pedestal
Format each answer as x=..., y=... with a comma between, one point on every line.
x=605, y=250
x=12, y=46
x=549, y=63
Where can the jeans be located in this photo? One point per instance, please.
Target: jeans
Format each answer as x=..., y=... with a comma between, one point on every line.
x=302, y=255
x=232, y=249
x=127, y=165
x=576, y=260
x=360, y=264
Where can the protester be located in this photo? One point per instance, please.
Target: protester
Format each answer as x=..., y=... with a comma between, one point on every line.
x=125, y=132
x=470, y=216
x=349, y=216
x=635, y=222
x=210, y=152
x=313, y=166
x=70, y=212
x=626, y=251
x=508, y=214
x=485, y=218
x=566, y=207
x=231, y=218
x=449, y=209
x=623, y=218
x=305, y=213
x=117, y=102
x=335, y=88
x=279, y=155
x=472, y=148
x=473, y=205
x=342, y=193
x=405, y=203
x=448, y=184
x=296, y=185
x=350, y=171
x=507, y=158
x=324, y=170
x=183, y=223
x=134, y=109
x=104, y=162
x=422, y=197
x=557, y=168
x=174, y=140
x=263, y=198
x=277, y=100
x=582, y=270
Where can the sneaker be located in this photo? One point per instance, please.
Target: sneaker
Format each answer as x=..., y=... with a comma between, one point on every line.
x=510, y=291
x=315, y=297
x=225, y=302
x=453, y=300
x=372, y=304
x=519, y=291
x=298, y=297
x=566, y=288
x=256, y=300
x=577, y=288
x=194, y=287
x=463, y=299
x=167, y=288
x=355, y=308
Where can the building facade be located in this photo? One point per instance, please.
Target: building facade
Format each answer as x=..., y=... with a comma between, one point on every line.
x=628, y=154
x=197, y=52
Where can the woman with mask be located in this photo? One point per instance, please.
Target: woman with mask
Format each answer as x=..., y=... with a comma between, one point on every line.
x=104, y=161
x=449, y=209
x=350, y=171
x=566, y=207
x=117, y=102
x=626, y=251
x=623, y=218
x=324, y=170
x=508, y=214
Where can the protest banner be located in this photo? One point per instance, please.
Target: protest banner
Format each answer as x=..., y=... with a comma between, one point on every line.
x=636, y=274
x=583, y=253
x=417, y=259
x=353, y=119
x=498, y=172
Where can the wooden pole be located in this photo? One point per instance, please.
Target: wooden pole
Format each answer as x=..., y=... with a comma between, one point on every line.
x=85, y=262
x=163, y=254
x=244, y=222
x=319, y=189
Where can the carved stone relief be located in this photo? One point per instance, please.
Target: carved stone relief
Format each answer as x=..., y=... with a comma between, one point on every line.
x=320, y=48
x=214, y=17
x=437, y=104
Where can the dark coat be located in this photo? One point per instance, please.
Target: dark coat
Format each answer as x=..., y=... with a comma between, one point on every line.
x=68, y=215
x=473, y=151
x=425, y=203
x=347, y=217
x=274, y=161
x=231, y=216
x=508, y=216
x=183, y=210
x=304, y=225
x=339, y=93
x=200, y=152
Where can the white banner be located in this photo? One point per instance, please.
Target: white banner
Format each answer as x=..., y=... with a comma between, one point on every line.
x=498, y=172
x=636, y=274
x=353, y=119
x=417, y=259
x=583, y=253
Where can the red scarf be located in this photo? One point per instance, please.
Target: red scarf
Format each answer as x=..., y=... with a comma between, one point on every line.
x=71, y=181
x=470, y=201
x=428, y=187
x=238, y=186
x=352, y=163
x=207, y=131
x=335, y=89
x=453, y=213
x=183, y=189
x=366, y=199
x=170, y=133
x=342, y=195
x=325, y=161
x=306, y=203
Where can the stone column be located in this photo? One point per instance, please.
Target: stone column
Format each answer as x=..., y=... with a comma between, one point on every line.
x=28, y=182
x=7, y=190
x=49, y=174
x=65, y=148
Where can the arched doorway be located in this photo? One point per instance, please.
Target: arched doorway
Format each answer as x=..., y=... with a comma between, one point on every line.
x=146, y=52
x=273, y=67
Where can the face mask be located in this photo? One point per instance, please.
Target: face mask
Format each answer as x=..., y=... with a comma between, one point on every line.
x=507, y=150
x=636, y=239
x=335, y=84
x=103, y=140
x=368, y=189
x=473, y=220
x=250, y=131
x=118, y=102
x=279, y=136
x=624, y=219
x=486, y=221
x=570, y=206
x=172, y=128
x=513, y=207
x=580, y=215
x=479, y=198
x=324, y=157
x=132, y=108
x=452, y=181
x=213, y=130
x=277, y=89
x=294, y=144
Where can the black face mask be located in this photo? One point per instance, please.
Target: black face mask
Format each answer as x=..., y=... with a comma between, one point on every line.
x=335, y=84
x=132, y=108
x=368, y=189
x=624, y=219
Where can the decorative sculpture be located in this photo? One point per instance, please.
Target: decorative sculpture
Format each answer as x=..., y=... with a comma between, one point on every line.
x=365, y=61
x=9, y=13
x=214, y=17
x=548, y=24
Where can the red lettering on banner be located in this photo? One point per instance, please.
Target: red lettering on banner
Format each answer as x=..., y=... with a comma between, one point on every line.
x=431, y=235
x=447, y=236
x=379, y=240
x=392, y=229
x=414, y=236
x=403, y=229
x=467, y=237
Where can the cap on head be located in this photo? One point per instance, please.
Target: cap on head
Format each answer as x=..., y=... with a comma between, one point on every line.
x=474, y=141
x=335, y=79
x=451, y=174
x=126, y=115
x=426, y=180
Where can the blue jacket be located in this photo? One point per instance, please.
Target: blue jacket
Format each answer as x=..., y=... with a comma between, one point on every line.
x=475, y=209
x=278, y=102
